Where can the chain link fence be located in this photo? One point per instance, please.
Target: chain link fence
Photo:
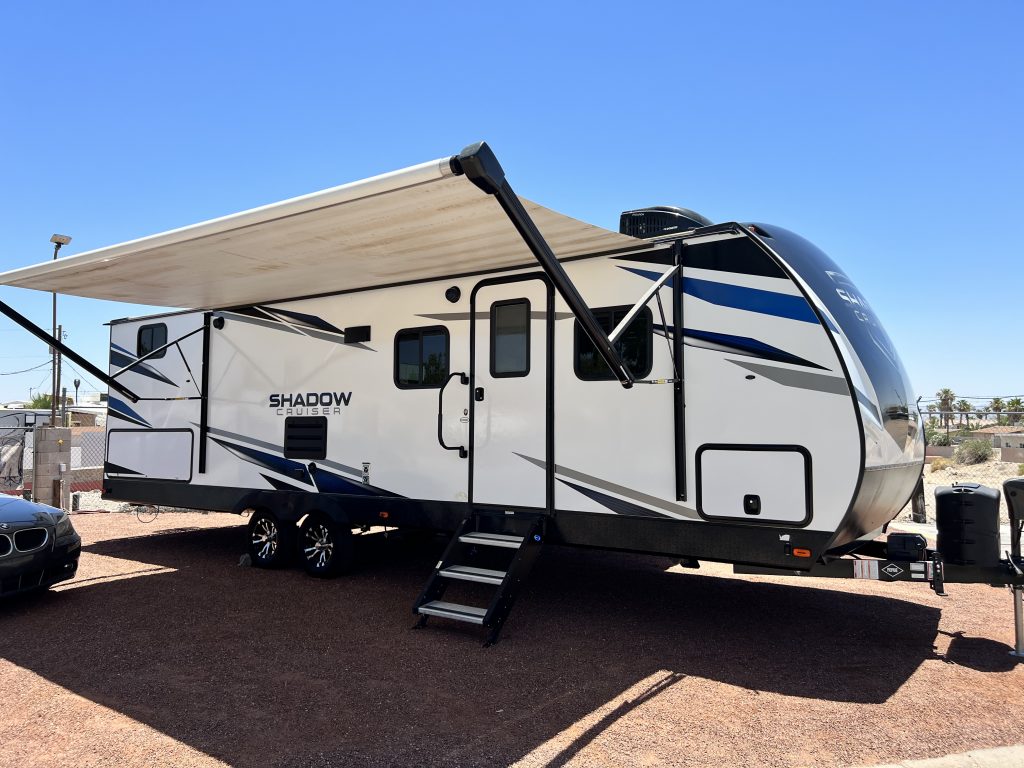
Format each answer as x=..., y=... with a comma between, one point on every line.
x=12, y=454
x=990, y=473
x=88, y=445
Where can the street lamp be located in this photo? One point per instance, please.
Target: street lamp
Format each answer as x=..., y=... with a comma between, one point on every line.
x=58, y=241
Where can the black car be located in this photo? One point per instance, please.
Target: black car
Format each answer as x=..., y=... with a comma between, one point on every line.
x=38, y=546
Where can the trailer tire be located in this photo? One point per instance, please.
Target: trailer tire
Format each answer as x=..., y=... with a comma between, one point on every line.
x=271, y=541
x=325, y=546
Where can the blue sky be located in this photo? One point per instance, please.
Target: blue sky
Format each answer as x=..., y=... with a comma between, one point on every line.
x=888, y=134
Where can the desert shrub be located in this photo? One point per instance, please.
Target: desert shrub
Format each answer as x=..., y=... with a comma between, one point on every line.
x=1020, y=469
x=940, y=463
x=973, y=452
x=939, y=438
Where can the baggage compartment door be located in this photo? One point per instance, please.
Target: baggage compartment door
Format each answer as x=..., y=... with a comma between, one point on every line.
x=153, y=454
x=754, y=483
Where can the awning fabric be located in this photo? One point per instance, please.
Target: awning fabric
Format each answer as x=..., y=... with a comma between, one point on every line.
x=419, y=223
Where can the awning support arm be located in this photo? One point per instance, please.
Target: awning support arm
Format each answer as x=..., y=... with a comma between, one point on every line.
x=65, y=350
x=480, y=166
x=622, y=326
x=155, y=352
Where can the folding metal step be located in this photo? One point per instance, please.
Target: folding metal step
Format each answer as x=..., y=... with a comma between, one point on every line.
x=492, y=540
x=470, y=573
x=468, y=613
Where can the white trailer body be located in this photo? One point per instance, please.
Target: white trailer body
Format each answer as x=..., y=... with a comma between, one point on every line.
x=388, y=351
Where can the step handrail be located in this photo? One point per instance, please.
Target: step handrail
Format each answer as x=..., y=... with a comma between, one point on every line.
x=463, y=379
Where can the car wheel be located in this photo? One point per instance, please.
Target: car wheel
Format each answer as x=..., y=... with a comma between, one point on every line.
x=325, y=546
x=271, y=541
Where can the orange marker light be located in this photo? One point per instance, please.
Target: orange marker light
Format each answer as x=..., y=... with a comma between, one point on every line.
x=384, y=515
x=801, y=552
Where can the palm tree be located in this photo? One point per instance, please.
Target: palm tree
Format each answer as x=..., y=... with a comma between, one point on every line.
x=964, y=407
x=997, y=406
x=1015, y=406
x=946, y=396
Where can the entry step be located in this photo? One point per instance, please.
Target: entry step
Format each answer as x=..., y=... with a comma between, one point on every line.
x=492, y=540
x=469, y=613
x=469, y=573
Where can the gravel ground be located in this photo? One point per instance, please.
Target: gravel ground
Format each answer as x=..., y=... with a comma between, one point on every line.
x=164, y=652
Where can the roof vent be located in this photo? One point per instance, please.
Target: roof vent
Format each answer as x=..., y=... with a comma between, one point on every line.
x=660, y=220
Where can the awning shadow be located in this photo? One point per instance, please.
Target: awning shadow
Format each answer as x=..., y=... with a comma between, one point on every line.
x=264, y=668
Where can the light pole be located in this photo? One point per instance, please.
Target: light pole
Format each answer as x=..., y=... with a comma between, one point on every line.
x=58, y=241
x=78, y=383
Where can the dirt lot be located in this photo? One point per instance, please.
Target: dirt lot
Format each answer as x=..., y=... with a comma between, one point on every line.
x=164, y=652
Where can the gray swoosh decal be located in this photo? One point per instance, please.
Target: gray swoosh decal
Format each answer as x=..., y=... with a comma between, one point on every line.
x=817, y=382
x=675, y=510
x=616, y=505
x=281, y=326
x=277, y=449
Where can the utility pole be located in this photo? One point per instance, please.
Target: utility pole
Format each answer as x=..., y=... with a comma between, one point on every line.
x=58, y=241
x=60, y=337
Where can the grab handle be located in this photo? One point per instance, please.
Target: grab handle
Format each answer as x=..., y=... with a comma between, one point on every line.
x=463, y=379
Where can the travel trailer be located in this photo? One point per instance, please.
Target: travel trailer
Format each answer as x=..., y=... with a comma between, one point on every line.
x=426, y=349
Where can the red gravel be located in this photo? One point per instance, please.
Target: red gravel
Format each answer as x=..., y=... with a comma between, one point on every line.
x=164, y=652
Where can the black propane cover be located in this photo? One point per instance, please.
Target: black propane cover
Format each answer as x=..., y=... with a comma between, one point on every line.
x=967, y=516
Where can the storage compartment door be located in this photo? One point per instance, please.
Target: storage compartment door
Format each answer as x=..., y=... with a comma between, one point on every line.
x=156, y=454
x=756, y=484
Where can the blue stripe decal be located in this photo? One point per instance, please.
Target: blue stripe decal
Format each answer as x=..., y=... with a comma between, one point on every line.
x=752, y=347
x=122, y=360
x=293, y=469
x=311, y=474
x=117, y=408
x=328, y=482
x=739, y=297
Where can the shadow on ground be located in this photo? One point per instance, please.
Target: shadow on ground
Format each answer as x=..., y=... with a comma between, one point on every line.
x=272, y=668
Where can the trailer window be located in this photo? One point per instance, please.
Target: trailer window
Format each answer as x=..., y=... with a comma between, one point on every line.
x=635, y=346
x=421, y=357
x=510, y=338
x=305, y=437
x=152, y=337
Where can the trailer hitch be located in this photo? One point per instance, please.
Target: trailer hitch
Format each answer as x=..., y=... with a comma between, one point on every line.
x=938, y=582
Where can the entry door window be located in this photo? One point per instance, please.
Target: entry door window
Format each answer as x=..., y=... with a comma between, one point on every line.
x=510, y=338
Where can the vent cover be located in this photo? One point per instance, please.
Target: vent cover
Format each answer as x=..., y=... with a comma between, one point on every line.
x=305, y=437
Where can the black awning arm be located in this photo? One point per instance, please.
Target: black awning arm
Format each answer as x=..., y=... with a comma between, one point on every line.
x=480, y=166
x=66, y=351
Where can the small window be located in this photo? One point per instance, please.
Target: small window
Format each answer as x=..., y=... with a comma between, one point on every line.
x=421, y=357
x=305, y=437
x=635, y=345
x=152, y=337
x=510, y=338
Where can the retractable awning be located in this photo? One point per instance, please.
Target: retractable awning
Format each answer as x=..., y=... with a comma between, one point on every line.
x=419, y=223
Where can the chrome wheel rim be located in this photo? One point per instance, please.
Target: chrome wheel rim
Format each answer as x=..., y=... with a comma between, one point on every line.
x=317, y=545
x=264, y=538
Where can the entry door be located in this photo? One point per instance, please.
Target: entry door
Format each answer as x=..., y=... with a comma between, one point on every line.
x=509, y=393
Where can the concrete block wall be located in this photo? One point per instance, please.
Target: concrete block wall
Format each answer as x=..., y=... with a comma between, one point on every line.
x=52, y=448
x=1015, y=455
